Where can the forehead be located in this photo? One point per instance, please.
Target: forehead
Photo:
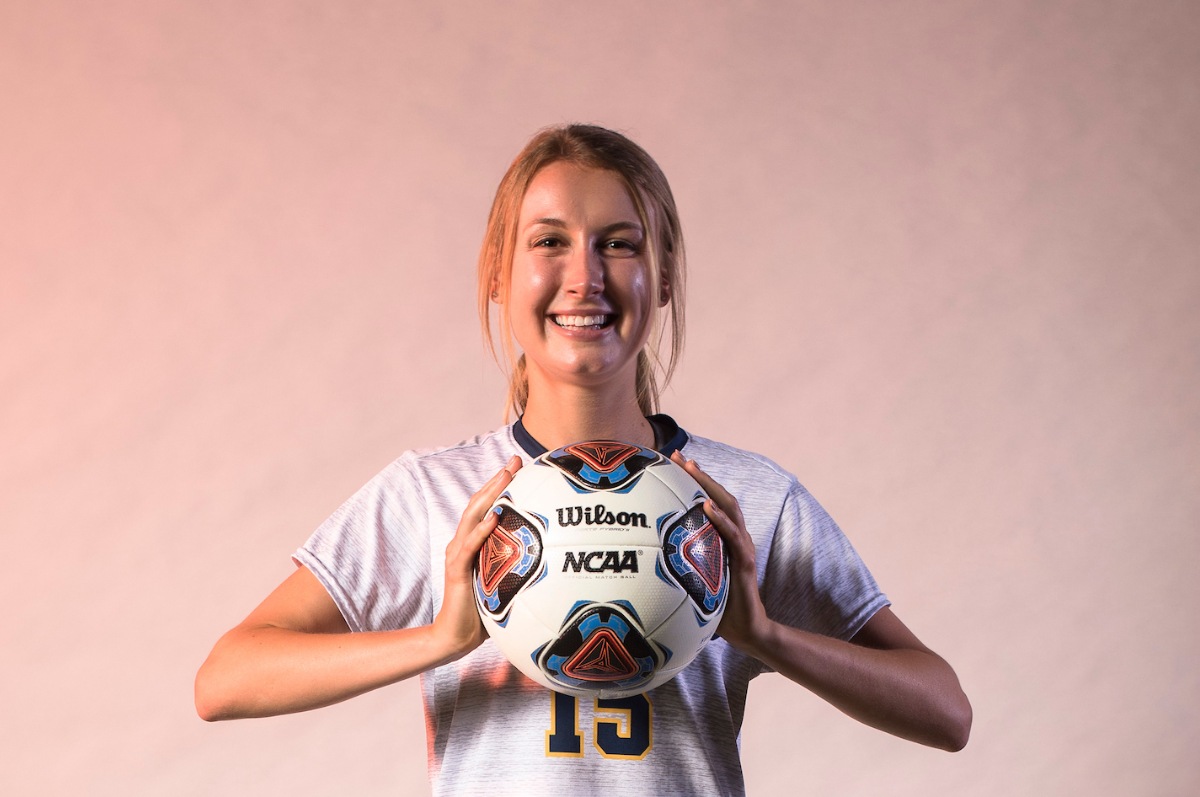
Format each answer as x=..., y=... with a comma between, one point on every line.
x=571, y=193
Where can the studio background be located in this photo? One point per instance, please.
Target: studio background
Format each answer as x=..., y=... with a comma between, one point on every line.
x=943, y=266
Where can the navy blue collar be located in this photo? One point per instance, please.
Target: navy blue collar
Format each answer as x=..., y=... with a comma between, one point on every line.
x=670, y=438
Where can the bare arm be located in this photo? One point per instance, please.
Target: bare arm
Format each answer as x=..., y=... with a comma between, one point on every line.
x=294, y=652
x=884, y=677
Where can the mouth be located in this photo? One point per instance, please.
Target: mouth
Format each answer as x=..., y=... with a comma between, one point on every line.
x=582, y=322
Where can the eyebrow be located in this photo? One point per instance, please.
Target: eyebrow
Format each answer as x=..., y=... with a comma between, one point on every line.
x=614, y=227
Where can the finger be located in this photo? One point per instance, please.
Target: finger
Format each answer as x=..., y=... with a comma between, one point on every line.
x=482, y=530
x=465, y=547
x=480, y=518
x=724, y=499
x=482, y=501
x=738, y=543
x=503, y=477
x=729, y=530
x=696, y=472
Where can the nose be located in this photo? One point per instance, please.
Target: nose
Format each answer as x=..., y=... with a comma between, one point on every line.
x=583, y=274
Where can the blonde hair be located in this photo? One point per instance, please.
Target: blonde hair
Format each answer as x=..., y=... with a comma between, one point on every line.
x=597, y=148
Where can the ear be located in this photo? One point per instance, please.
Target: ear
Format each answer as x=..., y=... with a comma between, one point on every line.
x=664, y=292
x=495, y=295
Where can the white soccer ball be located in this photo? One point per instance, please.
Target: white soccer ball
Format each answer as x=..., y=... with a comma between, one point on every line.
x=603, y=578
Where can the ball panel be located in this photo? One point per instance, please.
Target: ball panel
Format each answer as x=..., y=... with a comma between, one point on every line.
x=600, y=647
x=511, y=557
x=695, y=557
x=603, y=464
x=687, y=633
x=680, y=482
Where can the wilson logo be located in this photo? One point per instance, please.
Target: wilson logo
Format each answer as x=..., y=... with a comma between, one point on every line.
x=601, y=562
x=599, y=516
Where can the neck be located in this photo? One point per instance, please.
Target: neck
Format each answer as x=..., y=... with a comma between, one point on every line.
x=562, y=415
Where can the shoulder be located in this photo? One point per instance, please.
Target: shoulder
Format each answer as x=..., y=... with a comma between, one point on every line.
x=475, y=452
x=421, y=475
x=767, y=492
x=720, y=458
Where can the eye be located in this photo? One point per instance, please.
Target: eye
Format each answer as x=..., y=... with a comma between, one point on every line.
x=621, y=246
x=547, y=242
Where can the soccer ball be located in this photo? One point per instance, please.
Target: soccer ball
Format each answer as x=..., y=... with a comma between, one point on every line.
x=603, y=578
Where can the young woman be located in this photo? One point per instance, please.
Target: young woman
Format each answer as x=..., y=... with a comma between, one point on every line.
x=582, y=262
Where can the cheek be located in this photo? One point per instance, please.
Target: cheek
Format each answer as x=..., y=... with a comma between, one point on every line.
x=528, y=286
x=637, y=292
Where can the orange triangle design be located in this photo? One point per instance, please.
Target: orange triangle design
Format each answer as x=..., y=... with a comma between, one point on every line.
x=603, y=456
x=499, y=554
x=603, y=658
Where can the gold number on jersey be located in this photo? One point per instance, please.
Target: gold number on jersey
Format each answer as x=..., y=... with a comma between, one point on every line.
x=621, y=727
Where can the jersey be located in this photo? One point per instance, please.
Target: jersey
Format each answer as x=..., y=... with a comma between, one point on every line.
x=492, y=731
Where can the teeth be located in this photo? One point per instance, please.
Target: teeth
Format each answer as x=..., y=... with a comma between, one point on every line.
x=579, y=320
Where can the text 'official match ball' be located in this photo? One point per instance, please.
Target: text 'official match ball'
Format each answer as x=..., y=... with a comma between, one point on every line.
x=603, y=577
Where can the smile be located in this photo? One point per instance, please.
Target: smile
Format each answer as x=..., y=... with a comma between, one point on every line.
x=582, y=321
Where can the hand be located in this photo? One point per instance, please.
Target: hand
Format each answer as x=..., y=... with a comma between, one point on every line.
x=457, y=625
x=885, y=677
x=745, y=619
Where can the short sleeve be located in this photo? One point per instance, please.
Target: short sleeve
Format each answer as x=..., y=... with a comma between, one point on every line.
x=814, y=578
x=373, y=554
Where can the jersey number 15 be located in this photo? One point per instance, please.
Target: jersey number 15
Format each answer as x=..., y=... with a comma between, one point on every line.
x=621, y=727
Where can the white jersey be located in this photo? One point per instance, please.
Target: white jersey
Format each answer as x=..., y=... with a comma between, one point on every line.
x=493, y=731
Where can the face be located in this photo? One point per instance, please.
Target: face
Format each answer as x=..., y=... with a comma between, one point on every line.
x=580, y=301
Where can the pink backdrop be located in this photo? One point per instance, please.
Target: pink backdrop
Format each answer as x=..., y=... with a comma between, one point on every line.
x=944, y=263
